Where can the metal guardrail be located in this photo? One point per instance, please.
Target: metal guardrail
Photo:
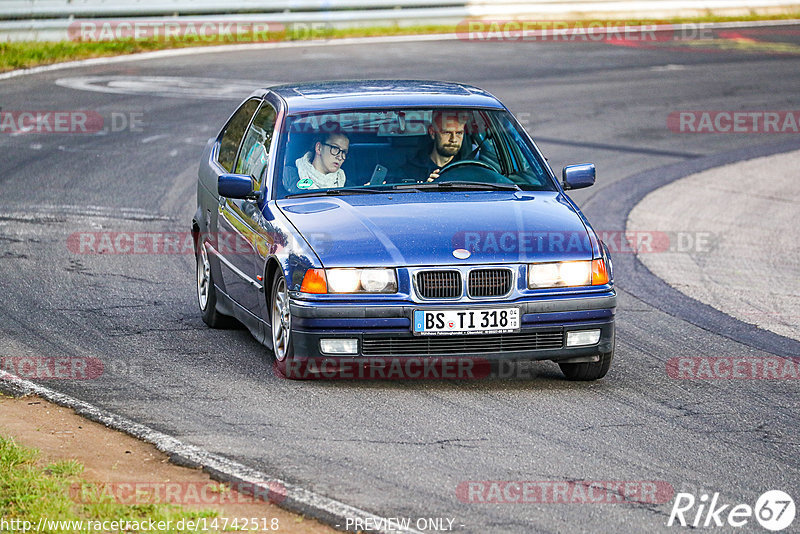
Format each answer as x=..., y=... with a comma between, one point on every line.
x=49, y=20
x=32, y=9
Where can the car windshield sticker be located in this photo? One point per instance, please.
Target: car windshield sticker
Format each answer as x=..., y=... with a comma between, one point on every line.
x=305, y=183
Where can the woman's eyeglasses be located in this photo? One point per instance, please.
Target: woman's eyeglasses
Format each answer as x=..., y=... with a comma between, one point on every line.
x=336, y=150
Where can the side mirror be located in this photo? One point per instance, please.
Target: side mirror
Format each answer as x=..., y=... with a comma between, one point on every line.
x=578, y=176
x=236, y=186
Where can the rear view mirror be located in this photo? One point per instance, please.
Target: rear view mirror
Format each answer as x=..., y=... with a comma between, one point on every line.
x=578, y=176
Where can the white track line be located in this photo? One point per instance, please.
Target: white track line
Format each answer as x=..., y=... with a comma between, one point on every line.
x=297, y=499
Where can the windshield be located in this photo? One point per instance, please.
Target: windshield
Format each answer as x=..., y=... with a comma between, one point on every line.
x=374, y=151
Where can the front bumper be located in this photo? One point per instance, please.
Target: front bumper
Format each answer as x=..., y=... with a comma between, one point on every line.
x=384, y=329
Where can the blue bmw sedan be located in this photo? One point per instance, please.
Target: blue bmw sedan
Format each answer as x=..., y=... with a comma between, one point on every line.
x=398, y=220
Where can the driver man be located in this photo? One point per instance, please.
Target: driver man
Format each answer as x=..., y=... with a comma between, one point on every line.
x=447, y=132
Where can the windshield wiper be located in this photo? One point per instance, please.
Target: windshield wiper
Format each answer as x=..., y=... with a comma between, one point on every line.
x=460, y=185
x=336, y=192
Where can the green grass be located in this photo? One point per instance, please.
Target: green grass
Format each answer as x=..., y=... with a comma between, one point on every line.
x=24, y=54
x=29, y=492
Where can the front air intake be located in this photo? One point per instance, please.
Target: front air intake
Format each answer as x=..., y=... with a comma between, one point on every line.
x=489, y=282
x=439, y=284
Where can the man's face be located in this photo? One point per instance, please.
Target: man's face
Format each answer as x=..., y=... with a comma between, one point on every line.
x=447, y=134
x=330, y=162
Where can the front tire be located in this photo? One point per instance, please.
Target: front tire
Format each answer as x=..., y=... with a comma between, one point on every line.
x=281, y=321
x=583, y=372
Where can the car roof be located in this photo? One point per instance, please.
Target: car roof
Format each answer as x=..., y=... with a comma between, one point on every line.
x=339, y=95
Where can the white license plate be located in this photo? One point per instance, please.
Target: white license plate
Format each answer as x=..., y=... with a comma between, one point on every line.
x=466, y=321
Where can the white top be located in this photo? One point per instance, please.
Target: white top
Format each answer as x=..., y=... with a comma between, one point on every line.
x=319, y=180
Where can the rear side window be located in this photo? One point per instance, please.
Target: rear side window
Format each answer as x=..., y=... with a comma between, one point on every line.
x=254, y=155
x=233, y=133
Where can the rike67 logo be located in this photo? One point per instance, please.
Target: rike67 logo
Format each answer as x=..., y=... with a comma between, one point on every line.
x=774, y=510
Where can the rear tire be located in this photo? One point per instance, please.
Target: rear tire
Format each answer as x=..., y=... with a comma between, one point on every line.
x=583, y=372
x=207, y=293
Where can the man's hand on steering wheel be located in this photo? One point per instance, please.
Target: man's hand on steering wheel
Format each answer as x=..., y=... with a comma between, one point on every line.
x=434, y=175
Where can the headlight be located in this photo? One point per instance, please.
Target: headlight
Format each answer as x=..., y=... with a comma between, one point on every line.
x=576, y=273
x=343, y=280
x=377, y=280
x=349, y=281
x=567, y=274
x=543, y=275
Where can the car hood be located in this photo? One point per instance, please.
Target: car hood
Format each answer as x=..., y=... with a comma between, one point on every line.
x=425, y=228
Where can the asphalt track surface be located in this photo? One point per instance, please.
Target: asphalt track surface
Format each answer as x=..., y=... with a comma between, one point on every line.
x=400, y=449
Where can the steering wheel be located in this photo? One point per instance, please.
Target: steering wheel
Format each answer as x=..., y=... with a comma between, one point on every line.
x=486, y=173
x=463, y=163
